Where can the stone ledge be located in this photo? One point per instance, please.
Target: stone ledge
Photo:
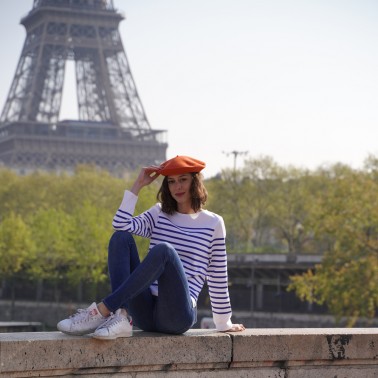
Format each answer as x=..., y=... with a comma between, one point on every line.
x=291, y=353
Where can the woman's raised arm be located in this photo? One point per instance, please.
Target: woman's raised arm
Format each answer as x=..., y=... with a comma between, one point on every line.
x=145, y=177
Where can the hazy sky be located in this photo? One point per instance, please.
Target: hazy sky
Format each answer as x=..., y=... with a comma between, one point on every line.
x=293, y=79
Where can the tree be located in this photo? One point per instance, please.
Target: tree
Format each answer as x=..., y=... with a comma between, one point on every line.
x=52, y=233
x=16, y=245
x=9, y=181
x=347, y=279
x=294, y=206
x=89, y=238
x=263, y=177
x=266, y=207
x=90, y=184
x=16, y=249
x=28, y=194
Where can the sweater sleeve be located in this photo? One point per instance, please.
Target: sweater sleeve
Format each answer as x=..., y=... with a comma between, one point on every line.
x=142, y=224
x=217, y=280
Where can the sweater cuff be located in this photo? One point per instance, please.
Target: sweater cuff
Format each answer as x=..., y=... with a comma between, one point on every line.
x=222, y=322
x=128, y=202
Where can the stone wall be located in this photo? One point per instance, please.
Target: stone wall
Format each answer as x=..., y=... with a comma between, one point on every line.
x=263, y=353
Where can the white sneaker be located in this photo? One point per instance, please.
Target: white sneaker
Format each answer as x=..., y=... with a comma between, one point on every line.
x=117, y=325
x=83, y=322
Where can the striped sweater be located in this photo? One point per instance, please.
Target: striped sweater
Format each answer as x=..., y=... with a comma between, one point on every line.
x=199, y=240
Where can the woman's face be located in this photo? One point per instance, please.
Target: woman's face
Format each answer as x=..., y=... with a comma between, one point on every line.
x=179, y=187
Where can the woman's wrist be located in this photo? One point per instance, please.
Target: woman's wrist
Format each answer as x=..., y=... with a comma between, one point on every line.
x=136, y=188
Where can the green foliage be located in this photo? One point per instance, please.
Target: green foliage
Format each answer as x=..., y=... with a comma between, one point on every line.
x=244, y=201
x=16, y=245
x=266, y=207
x=347, y=217
x=52, y=234
x=90, y=236
x=332, y=210
x=57, y=227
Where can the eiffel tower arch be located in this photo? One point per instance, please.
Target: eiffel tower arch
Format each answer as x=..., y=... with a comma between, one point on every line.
x=112, y=130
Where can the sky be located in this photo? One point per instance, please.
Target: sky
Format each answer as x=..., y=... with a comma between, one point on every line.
x=296, y=80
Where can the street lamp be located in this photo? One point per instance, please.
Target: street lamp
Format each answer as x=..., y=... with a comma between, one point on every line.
x=235, y=154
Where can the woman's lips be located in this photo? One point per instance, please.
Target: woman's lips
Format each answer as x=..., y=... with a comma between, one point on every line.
x=179, y=194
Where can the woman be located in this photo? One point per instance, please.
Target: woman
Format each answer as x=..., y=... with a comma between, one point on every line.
x=187, y=246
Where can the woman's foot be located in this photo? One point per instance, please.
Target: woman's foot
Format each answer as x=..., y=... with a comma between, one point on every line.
x=116, y=325
x=83, y=322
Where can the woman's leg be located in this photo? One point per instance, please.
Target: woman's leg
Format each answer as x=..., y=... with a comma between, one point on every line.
x=174, y=310
x=123, y=259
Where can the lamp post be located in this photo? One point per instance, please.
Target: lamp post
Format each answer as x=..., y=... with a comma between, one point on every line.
x=235, y=154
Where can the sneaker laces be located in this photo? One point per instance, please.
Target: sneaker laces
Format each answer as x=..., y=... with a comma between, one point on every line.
x=80, y=315
x=113, y=319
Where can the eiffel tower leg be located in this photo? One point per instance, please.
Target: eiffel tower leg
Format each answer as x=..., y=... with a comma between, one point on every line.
x=45, y=106
x=92, y=99
x=20, y=91
x=124, y=90
x=36, y=90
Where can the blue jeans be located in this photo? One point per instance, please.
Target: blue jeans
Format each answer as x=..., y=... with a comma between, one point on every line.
x=172, y=310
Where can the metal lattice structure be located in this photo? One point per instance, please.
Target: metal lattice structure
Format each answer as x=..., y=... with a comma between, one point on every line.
x=112, y=130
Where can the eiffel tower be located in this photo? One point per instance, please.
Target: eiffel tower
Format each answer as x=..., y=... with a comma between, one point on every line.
x=112, y=131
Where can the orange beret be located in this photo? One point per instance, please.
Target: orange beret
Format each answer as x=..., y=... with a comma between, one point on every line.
x=179, y=165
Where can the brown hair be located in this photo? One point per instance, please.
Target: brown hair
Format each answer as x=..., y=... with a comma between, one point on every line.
x=198, y=195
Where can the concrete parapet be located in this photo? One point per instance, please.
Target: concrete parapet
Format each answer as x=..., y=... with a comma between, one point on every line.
x=260, y=353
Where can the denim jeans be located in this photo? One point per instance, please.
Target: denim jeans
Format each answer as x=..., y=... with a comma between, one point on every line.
x=172, y=310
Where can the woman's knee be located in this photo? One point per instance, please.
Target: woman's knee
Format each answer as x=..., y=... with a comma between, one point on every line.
x=165, y=248
x=119, y=239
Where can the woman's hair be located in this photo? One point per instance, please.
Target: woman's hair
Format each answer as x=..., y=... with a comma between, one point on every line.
x=198, y=195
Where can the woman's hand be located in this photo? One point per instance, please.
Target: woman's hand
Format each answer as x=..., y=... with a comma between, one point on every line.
x=145, y=177
x=236, y=328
